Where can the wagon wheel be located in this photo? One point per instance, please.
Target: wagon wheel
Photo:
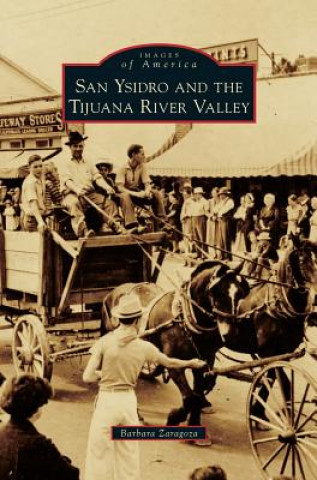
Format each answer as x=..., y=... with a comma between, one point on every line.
x=30, y=347
x=151, y=370
x=288, y=446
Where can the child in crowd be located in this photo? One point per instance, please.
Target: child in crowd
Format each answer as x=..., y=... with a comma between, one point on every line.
x=11, y=218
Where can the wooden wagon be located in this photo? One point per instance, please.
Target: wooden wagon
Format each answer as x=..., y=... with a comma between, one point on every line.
x=48, y=283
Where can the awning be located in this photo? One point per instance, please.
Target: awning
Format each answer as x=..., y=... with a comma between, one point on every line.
x=14, y=164
x=283, y=141
x=303, y=163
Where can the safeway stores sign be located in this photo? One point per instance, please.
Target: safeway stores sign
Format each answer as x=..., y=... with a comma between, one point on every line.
x=49, y=121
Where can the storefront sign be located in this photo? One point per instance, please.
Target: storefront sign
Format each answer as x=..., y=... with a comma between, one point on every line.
x=49, y=121
x=238, y=52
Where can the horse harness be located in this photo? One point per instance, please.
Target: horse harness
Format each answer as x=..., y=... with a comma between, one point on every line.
x=276, y=305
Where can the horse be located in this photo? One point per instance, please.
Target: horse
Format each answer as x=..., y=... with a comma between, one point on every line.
x=183, y=324
x=270, y=320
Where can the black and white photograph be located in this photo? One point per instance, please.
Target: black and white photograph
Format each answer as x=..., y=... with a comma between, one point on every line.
x=158, y=279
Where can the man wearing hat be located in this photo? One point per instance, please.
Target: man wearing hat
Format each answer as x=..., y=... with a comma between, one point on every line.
x=116, y=362
x=33, y=206
x=78, y=177
x=263, y=257
x=199, y=214
x=134, y=187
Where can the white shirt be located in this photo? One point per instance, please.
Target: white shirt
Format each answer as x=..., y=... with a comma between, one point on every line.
x=82, y=173
x=32, y=189
x=199, y=207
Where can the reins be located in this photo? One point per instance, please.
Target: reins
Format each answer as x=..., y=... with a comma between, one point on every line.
x=205, y=244
x=139, y=241
x=241, y=257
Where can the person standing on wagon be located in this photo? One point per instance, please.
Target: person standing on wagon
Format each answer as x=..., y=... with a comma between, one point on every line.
x=116, y=362
x=77, y=177
x=33, y=206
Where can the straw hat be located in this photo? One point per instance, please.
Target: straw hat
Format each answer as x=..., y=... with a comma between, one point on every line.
x=198, y=190
x=129, y=306
x=105, y=163
x=264, y=236
x=224, y=191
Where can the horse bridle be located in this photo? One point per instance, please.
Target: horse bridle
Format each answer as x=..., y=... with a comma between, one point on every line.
x=190, y=320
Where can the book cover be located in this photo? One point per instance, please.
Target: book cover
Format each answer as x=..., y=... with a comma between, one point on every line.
x=276, y=154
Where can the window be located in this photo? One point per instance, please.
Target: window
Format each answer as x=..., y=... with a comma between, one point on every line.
x=43, y=143
x=14, y=144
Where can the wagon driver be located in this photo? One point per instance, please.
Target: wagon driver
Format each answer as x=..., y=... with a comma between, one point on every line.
x=116, y=362
x=78, y=176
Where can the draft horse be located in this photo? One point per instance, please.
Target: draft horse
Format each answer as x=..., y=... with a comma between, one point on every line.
x=271, y=318
x=184, y=325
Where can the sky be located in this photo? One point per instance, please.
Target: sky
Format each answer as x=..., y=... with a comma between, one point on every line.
x=40, y=35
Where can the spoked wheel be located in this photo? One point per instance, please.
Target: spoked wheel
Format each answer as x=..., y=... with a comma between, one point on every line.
x=30, y=347
x=282, y=422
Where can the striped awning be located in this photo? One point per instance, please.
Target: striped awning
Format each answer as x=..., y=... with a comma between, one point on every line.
x=303, y=163
x=281, y=142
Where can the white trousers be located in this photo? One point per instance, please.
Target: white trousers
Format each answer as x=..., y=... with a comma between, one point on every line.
x=112, y=459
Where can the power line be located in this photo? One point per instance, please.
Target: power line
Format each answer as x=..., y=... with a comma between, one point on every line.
x=58, y=14
x=38, y=12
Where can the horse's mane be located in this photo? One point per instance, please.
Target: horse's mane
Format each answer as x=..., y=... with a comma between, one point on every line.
x=206, y=266
x=289, y=269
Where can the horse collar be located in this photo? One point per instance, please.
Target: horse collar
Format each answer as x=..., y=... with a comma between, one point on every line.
x=189, y=317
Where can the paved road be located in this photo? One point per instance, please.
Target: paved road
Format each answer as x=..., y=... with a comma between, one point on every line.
x=66, y=420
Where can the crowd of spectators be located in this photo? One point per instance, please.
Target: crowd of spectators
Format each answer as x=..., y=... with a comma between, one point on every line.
x=10, y=198
x=214, y=223
x=9, y=207
x=220, y=226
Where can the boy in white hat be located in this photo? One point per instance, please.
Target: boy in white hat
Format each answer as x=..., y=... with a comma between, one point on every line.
x=116, y=362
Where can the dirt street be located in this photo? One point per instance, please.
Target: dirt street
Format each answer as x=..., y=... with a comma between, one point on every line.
x=66, y=419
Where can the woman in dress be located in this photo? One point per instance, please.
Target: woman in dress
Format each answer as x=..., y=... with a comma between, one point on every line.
x=186, y=221
x=304, y=224
x=294, y=215
x=239, y=217
x=269, y=218
x=223, y=231
x=211, y=223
